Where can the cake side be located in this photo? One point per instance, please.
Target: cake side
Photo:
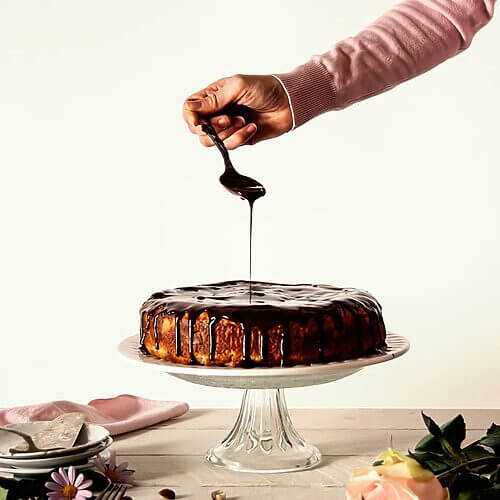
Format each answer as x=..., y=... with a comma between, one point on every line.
x=345, y=327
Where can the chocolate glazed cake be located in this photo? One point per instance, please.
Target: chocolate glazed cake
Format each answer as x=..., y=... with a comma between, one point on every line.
x=282, y=325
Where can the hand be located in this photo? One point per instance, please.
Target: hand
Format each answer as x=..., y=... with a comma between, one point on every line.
x=244, y=109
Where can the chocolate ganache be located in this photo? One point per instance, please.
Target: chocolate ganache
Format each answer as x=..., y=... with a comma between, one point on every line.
x=284, y=325
x=240, y=185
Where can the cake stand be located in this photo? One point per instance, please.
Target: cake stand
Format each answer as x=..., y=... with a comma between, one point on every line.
x=263, y=438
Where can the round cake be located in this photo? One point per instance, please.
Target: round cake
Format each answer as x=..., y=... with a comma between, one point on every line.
x=227, y=324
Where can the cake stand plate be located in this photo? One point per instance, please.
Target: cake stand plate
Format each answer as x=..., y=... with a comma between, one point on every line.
x=263, y=438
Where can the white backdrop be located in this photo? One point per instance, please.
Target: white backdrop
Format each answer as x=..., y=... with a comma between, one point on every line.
x=105, y=197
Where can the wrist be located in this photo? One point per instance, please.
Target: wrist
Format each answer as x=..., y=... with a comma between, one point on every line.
x=310, y=91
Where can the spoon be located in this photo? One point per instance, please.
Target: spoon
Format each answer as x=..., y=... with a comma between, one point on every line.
x=240, y=185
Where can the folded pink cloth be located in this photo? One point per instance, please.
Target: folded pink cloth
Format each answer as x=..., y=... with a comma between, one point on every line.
x=121, y=414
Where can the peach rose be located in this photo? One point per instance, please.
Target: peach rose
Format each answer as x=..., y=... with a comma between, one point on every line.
x=398, y=478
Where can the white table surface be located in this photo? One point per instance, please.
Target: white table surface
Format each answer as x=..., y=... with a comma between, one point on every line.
x=172, y=454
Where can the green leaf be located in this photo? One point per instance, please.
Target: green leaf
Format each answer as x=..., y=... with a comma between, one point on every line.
x=450, y=451
x=428, y=443
x=495, y=478
x=432, y=427
x=492, y=438
x=453, y=431
x=3, y=493
x=476, y=452
x=468, y=485
x=492, y=493
x=435, y=462
x=468, y=495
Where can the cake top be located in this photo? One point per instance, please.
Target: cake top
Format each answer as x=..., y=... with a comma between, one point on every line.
x=233, y=297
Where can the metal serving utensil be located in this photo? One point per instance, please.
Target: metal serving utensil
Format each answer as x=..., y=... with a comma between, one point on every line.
x=27, y=438
x=60, y=433
x=241, y=185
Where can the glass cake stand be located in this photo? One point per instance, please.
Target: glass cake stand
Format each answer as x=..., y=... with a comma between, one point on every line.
x=263, y=438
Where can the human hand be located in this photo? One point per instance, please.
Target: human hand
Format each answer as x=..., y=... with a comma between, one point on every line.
x=243, y=109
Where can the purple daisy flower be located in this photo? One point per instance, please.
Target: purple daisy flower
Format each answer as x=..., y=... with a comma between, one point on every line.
x=117, y=474
x=66, y=487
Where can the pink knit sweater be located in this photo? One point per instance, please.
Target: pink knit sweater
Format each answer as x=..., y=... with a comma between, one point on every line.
x=410, y=39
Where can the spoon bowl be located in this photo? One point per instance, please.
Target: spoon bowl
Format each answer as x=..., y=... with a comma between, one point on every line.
x=240, y=185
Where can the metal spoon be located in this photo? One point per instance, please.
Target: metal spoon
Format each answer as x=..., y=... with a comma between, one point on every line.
x=245, y=187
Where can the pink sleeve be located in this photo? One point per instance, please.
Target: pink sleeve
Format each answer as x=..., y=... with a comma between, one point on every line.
x=408, y=40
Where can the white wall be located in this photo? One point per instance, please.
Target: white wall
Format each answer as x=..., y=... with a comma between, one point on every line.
x=105, y=197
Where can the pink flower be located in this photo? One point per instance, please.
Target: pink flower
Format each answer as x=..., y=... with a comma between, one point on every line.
x=398, y=478
x=118, y=474
x=67, y=487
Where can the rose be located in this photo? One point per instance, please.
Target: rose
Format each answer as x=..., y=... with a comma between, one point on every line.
x=396, y=478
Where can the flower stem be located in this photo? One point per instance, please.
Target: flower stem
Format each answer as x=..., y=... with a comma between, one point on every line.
x=478, y=461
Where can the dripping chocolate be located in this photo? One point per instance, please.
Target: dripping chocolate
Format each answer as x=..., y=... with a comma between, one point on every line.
x=285, y=325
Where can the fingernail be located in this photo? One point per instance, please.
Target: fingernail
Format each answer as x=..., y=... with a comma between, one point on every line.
x=239, y=121
x=222, y=122
x=193, y=104
x=251, y=128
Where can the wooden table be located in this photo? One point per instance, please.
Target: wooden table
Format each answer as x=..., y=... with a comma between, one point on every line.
x=172, y=455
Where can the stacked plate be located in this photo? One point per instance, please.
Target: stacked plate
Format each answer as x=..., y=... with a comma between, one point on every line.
x=93, y=440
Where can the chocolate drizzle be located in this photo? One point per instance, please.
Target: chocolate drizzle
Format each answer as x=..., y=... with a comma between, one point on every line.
x=144, y=327
x=246, y=344
x=277, y=305
x=321, y=346
x=178, y=319
x=190, y=340
x=211, y=333
x=240, y=185
x=284, y=347
x=264, y=345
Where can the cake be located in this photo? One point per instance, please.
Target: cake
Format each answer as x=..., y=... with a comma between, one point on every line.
x=229, y=324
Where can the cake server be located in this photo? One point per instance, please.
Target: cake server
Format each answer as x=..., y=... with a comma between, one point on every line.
x=62, y=432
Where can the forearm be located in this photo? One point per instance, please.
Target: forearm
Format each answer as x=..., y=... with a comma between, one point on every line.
x=410, y=39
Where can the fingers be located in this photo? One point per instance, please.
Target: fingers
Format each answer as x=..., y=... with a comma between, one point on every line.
x=237, y=138
x=189, y=113
x=241, y=137
x=219, y=123
x=237, y=123
x=233, y=136
x=212, y=99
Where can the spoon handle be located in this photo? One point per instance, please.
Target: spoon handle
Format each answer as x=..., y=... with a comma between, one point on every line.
x=207, y=127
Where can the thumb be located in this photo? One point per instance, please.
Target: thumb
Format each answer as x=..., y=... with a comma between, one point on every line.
x=212, y=103
x=215, y=99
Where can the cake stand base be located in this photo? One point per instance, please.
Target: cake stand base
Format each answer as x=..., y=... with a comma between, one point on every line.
x=263, y=438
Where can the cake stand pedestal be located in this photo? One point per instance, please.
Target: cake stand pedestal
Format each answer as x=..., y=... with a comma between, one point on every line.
x=263, y=438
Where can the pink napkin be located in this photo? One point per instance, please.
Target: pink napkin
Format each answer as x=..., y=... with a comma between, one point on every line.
x=121, y=414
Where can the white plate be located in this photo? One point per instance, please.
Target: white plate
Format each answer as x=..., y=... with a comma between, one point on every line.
x=264, y=378
x=41, y=463
x=90, y=436
x=26, y=472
